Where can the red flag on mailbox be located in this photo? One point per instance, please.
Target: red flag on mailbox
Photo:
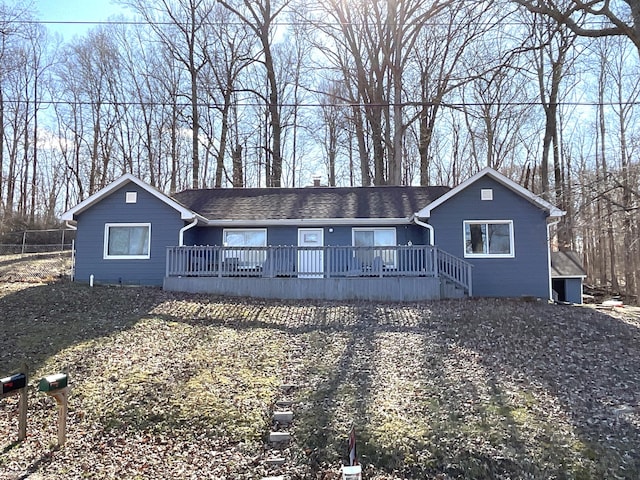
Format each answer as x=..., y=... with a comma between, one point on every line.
x=353, y=456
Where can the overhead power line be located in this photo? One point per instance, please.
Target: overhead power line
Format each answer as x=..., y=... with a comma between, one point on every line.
x=317, y=104
x=511, y=23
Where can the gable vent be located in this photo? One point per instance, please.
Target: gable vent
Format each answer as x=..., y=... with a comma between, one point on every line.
x=486, y=194
x=131, y=197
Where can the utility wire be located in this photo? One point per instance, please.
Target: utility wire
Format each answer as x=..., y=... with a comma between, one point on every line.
x=275, y=24
x=337, y=105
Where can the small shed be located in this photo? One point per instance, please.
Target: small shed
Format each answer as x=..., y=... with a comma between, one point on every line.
x=567, y=275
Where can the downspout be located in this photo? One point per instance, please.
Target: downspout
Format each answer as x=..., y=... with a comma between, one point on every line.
x=184, y=229
x=73, y=250
x=417, y=221
x=549, y=225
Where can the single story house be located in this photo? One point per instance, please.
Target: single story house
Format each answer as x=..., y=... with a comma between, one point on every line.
x=487, y=236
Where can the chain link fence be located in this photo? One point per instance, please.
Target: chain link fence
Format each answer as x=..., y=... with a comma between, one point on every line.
x=36, y=255
x=36, y=267
x=36, y=241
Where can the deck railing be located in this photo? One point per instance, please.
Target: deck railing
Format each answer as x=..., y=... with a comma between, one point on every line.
x=455, y=270
x=317, y=262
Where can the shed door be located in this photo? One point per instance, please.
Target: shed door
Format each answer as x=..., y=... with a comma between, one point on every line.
x=310, y=260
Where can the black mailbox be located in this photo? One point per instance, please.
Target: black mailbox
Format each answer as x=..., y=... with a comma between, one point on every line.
x=12, y=383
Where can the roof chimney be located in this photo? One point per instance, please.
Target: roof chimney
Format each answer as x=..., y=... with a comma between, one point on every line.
x=316, y=180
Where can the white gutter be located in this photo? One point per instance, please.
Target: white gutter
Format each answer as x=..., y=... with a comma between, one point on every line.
x=549, y=225
x=417, y=221
x=184, y=229
x=309, y=222
x=69, y=226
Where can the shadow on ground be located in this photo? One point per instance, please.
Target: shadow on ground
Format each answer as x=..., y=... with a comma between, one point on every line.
x=478, y=389
x=40, y=320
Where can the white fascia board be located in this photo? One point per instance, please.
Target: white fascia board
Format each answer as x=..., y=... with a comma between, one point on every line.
x=185, y=213
x=554, y=211
x=569, y=276
x=309, y=222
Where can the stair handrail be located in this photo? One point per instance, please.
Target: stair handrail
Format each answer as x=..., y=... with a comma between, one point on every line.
x=456, y=270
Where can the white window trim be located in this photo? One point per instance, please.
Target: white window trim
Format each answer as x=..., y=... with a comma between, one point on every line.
x=236, y=230
x=392, y=262
x=488, y=255
x=245, y=262
x=368, y=229
x=106, y=255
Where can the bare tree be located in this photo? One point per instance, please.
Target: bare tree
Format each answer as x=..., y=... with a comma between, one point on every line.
x=260, y=16
x=230, y=55
x=443, y=61
x=496, y=113
x=580, y=16
x=186, y=38
x=551, y=49
x=333, y=120
x=626, y=95
x=12, y=38
x=294, y=53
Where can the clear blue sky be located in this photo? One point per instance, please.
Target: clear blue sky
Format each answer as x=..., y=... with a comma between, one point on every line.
x=75, y=11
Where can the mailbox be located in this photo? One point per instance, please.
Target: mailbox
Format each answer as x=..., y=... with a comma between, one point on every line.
x=53, y=382
x=12, y=383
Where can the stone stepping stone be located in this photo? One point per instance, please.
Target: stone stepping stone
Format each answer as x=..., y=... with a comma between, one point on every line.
x=285, y=416
x=275, y=461
x=284, y=403
x=281, y=477
x=279, y=437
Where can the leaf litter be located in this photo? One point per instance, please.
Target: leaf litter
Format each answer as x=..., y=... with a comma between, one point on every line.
x=183, y=386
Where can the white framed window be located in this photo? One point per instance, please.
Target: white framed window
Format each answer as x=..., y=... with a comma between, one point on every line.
x=488, y=238
x=127, y=241
x=375, y=237
x=248, y=237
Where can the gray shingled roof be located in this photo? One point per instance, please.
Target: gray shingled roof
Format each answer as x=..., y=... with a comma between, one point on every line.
x=566, y=264
x=308, y=203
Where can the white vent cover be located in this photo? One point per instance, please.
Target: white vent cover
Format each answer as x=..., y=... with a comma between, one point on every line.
x=132, y=197
x=486, y=194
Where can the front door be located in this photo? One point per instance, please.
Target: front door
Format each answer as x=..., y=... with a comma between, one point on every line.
x=310, y=259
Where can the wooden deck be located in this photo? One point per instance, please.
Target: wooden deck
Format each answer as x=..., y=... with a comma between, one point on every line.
x=399, y=273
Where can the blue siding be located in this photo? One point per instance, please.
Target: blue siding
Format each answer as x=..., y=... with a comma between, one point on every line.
x=165, y=228
x=573, y=290
x=527, y=273
x=203, y=236
x=568, y=289
x=288, y=235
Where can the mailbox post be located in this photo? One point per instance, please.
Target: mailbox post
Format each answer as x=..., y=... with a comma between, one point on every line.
x=17, y=385
x=56, y=386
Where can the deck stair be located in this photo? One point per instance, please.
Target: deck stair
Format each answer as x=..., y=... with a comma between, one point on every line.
x=451, y=290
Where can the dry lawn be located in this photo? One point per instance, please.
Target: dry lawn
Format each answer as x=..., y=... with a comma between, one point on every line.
x=176, y=386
